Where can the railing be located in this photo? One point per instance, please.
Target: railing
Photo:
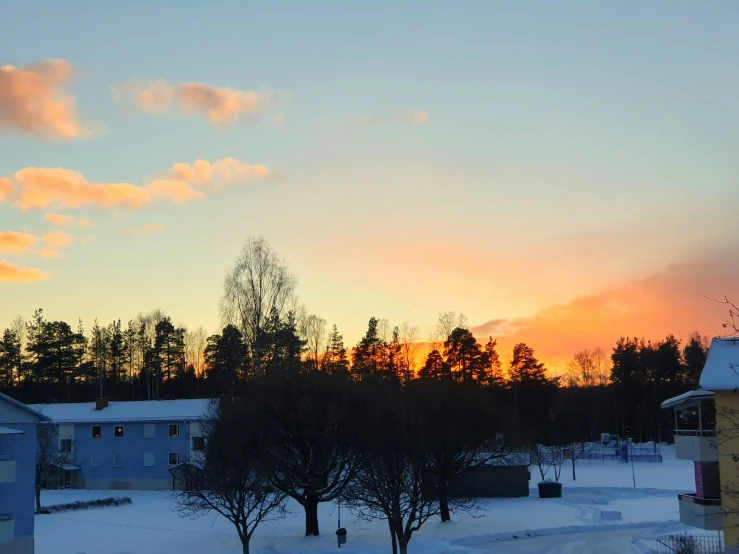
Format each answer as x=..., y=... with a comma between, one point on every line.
x=693, y=544
x=616, y=454
x=694, y=433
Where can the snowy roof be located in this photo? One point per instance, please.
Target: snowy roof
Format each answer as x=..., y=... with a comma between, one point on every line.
x=22, y=406
x=721, y=371
x=690, y=395
x=9, y=431
x=67, y=467
x=143, y=410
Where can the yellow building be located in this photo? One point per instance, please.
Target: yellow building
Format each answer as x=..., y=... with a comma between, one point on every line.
x=721, y=375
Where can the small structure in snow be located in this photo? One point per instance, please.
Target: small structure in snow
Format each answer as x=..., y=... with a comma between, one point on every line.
x=610, y=515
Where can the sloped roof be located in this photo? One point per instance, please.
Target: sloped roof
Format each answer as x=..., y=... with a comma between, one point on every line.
x=687, y=397
x=9, y=431
x=721, y=371
x=142, y=410
x=22, y=406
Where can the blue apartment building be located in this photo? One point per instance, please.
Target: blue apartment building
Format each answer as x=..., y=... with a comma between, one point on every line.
x=127, y=445
x=18, y=447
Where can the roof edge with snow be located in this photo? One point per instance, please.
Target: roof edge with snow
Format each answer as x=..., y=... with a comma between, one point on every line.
x=721, y=371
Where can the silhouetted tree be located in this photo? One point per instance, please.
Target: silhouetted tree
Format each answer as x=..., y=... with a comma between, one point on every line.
x=335, y=361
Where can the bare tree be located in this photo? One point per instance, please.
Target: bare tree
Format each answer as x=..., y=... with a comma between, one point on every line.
x=392, y=482
x=51, y=456
x=258, y=283
x=313, y=330
x=447, y=322
x=539, y=456
x=409, y=349
x=195, y=343
x=309, y=421
x=230, y=482
x=18, y=326
x=589, y=368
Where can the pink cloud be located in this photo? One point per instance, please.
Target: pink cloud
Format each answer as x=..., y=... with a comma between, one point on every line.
x=11, y=273
x=177, y=191
x=15, y=243
x=218, y=105
x=84, y=223
x=219, y=173
x=35, y=103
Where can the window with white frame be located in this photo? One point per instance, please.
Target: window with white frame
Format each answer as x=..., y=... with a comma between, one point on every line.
x=118, y=459
x=118, y=431
x=96, y=431
x=95, y=459
x=150, y=430
x=65, y=445
x=149, y=459
x=174, y=430
x=174, y=458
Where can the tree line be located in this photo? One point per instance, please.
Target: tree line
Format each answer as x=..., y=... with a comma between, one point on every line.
x=266, y=330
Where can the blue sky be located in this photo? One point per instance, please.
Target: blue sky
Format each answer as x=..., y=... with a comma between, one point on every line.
x=570, y=147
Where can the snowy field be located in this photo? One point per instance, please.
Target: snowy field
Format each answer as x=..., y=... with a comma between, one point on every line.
x=521, y=525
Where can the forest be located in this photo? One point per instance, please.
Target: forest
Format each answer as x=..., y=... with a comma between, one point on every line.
x=266, y=332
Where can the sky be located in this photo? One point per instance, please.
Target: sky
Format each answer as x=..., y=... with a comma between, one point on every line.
x=561, y=173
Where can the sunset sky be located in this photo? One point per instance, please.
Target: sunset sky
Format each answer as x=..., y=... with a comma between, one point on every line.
x=560, y=172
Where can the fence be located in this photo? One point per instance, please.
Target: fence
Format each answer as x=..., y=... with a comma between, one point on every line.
x=622, y=454
x=693, y=544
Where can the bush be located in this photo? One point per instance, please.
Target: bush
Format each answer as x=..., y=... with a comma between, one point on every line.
x=80, y=505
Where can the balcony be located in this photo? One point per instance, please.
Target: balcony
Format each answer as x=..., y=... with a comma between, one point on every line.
x=7, y=528
x=703, y=513
x=8, y=469
x=697, y=446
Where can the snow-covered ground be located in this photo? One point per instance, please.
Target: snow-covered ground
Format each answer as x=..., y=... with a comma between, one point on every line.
x=520, y=525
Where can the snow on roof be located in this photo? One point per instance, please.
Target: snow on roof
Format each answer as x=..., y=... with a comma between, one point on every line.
x=9, y=431
x=684, y=397
x=22, y=406
x=721, y=371
x=143, y=410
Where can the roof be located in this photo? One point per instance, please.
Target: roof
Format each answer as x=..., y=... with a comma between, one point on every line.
x=186, y=464
x=143, y=410
x=22, y=406
x=721, y=371
x=686, y=396
x=67, y=467
x=9, y=431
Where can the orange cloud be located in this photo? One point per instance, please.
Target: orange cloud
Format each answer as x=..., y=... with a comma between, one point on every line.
x=218, y=105
x=11, y=273
x=84, y=223
x=14, y=242
x=6, y=187
x=51, y=253
x=60, y=220
x=87, y=239
x=34, y=102
x=40, y=187
x=58, y=240
x=672, y=301
x=147, y=228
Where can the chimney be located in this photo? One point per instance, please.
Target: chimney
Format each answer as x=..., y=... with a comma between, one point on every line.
x=101, y=403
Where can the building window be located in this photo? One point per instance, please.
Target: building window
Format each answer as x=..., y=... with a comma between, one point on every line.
x=96, y=431
x=118, y=459
x=149, y=430
x=118, y=431
x=174, y=458
x=198, y=444
x=148, y=459
x=65, y=445
x=174, y=430
x=43, y=432
x=95, y=459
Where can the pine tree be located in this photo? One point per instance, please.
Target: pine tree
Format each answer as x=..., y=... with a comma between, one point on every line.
x=435, y=367
x=492, y=359
x=335, y=360
x=525, y=368
x=464, y=356
x=367, y=353
x=10, y=358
